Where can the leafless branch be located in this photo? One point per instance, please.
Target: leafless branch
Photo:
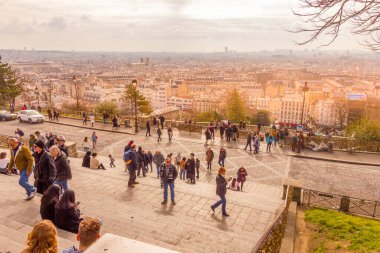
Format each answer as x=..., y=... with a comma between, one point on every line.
x=327, y=17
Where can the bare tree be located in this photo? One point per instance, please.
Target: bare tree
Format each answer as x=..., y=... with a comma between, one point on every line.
x=327, y=17
x=341, y=106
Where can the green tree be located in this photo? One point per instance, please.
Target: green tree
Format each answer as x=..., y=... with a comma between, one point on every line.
x=143, y=105
x=107, y=106
x=11, y=85
x=208, y=116
x=261, y=117
x=365, y=129
x=235, y=107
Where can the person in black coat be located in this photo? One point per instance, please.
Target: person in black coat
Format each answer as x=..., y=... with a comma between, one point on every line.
x=67, y=214
x=44, y=169
x=150, y=160
x=141, y=160
x=190, y=168
x=147, y=128
x=49, y=201
x=229, y=133
x=86, y=160
x=221, y=190
x=62, y=166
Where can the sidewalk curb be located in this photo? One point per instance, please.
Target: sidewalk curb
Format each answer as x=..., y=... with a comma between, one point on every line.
x=334, y=160
x=86, y=127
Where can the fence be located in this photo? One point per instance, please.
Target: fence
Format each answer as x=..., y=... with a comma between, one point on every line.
x=270, y=241
x=363, y=207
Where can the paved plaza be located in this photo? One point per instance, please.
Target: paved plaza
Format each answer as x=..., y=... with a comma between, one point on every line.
x=190, y=225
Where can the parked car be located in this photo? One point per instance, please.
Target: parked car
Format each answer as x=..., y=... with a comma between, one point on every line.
x=30, y=116
x=5, y=115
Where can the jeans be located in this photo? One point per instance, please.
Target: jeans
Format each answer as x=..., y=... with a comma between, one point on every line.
x=171, y=186
x=158, y=170
x=222, y=201
x=221, y=162
x=23, y=181
x=132, y=176
x=268, y=147
x=250, y=146
x=209, y=165
x=62, y=184
x=182, y=175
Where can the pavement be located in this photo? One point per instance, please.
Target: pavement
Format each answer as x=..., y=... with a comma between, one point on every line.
x=137, y=213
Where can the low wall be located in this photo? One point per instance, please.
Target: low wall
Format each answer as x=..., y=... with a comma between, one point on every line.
x=71, y=146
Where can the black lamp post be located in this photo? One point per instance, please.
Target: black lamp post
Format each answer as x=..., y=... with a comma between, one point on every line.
x=76, y=90
x=134, y=84
x=304, y=90
x=38, y=95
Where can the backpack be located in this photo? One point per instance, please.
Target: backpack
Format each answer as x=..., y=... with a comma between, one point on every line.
x=21, y=133
x=127, y=157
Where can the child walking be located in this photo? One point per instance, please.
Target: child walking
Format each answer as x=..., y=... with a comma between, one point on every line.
x=112, y=160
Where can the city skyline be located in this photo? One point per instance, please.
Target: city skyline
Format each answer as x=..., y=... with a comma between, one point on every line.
x=164, y=26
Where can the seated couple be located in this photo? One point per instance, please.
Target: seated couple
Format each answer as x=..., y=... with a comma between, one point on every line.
x=91, y=161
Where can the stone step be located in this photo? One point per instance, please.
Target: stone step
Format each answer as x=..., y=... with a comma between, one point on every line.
x=7, y=245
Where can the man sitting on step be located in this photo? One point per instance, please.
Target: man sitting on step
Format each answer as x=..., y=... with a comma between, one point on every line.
x=89, y=232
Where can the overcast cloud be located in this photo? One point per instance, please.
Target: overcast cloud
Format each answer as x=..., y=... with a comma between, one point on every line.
x=159, y=25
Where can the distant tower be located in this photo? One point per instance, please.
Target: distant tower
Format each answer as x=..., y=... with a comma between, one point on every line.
x=147, y=60
x=141, y=60
x=226, y=50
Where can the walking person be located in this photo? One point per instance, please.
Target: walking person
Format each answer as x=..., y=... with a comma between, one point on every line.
x=85, y=144
x=249, y=142
x=282, y=138
x=221, y=129
x=147, y=128
x=62, y=166
x=208, y=136
x=114, y=123
x=178, y=159
x=221, y=190
x=190, y=168
x=154, y=122
x=209, y=158
x=141, y=167
x=159, y=133
x=55, y=115
x=162, y=120
x=256, y=144
x=112, y=161
x=170, y=133
x=92, y=119
x=22, y=159
x=182, y=168
x=294, y=142
x=212, y=129
x=168, y=176
x=197, y=166
x=228, y=133
x=84, y=118
x=222, y=156
x=132, y=162
x=269, y=143
x=158, y=159
x=45, y=171
x=241, y=177
x=235, y=132
x=32, y=140
x=94, y=139
x=50, y=115
x=150, y=160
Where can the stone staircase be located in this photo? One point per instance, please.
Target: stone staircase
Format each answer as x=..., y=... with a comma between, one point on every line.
x=136, y=213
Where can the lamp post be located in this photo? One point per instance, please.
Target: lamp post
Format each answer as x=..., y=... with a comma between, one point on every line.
x=304, y=90
x=38, y=95
x=134, y=84
x=76, y=90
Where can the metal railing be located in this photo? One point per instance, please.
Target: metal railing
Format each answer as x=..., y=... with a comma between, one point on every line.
x=362, y=207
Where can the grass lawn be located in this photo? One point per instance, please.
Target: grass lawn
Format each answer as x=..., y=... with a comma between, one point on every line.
x=340, y=232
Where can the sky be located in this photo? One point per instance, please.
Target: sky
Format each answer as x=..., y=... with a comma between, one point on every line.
x=153, y=25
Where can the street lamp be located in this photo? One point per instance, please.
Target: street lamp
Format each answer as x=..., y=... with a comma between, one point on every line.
x=134, y=84
x=76, y=90
x=304, y=90
x=38, y=95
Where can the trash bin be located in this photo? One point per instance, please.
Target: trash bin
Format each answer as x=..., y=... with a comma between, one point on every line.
x=344, y=204
x=126, y=122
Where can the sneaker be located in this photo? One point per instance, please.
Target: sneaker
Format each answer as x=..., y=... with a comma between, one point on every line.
x=213, y=209
x=173, y=203
x=30, y=195
x=226, y=214
x=131, y=185
x=164, y=202
x=135, y=183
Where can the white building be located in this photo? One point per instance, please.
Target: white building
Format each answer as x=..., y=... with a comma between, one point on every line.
x=182, y=103
x=326, y=113
x=291, y=110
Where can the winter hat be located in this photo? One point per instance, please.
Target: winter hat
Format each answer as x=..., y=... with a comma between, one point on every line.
x=40, y=144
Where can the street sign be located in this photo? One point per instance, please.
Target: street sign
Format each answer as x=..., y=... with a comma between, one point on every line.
x=300, y=128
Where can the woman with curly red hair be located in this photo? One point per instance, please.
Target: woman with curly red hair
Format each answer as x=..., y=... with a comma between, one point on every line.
x=42, y=239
